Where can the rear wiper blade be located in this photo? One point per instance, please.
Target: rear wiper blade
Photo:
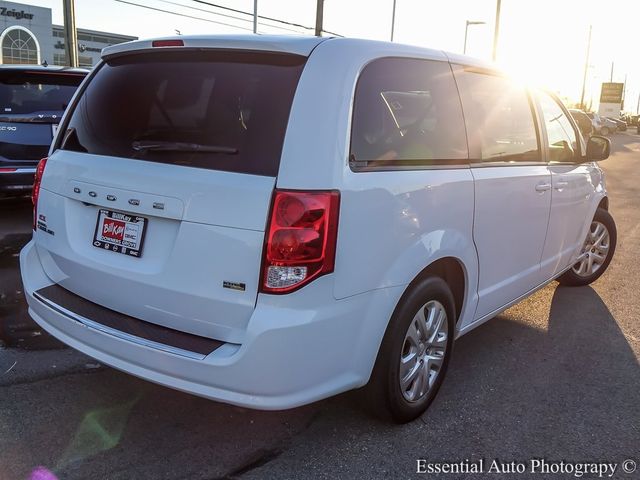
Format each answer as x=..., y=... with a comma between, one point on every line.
x=163, y=146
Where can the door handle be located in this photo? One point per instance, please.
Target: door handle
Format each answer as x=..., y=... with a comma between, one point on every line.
x=560, y=185
x=543, y=187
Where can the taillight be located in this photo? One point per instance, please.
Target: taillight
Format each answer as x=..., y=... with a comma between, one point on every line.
x=35, y=193
x=301, y=239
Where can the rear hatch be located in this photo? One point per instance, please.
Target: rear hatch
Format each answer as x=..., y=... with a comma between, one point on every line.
x=31, y=106
x=155, y=201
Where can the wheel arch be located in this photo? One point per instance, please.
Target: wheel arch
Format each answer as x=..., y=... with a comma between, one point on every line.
x=604, y=203
x=459, y=276
x=453, y=272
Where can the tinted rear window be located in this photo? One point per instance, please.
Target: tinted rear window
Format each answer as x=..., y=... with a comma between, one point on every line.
x=217, y=110
x=29, y=92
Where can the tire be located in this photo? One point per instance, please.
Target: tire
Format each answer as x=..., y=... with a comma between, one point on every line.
x=583, y=272
x=605, y=131
x=383, y=395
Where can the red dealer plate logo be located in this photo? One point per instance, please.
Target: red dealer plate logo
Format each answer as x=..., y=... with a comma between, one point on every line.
x=120, y=232
x=113, y=229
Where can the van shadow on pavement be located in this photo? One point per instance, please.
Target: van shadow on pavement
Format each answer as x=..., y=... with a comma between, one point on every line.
x=562, y=383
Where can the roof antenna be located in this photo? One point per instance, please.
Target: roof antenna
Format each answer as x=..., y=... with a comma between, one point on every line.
x=45, y=64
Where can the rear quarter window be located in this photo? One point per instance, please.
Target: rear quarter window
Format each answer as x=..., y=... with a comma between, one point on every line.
x=407, y=113
x=215, y=110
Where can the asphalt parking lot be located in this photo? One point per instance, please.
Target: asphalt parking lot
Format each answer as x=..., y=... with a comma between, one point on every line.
x=555, y=377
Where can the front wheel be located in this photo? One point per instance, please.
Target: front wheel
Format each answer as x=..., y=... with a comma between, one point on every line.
x=597, y=251
x=414, y=353
x=605, y=131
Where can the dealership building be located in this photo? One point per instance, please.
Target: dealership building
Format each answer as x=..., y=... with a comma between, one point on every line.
x=28, y=36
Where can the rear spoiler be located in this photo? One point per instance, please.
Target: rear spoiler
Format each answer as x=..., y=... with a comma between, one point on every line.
x=297, y=45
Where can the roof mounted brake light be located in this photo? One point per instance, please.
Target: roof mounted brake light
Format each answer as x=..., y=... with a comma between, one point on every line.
x=167, y=43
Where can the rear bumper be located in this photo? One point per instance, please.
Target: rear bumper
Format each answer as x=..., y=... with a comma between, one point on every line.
x=291, y=355
x=18, y=181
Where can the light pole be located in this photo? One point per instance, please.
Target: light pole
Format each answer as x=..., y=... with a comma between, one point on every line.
x=393, y=19
x=496, y=32
x=70, y=33
x=611, y=78
x=319, y=17
x=466, y=30
x=586, y=68
x=255, y=16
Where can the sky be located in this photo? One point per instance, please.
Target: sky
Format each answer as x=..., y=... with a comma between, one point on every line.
x=543, y=42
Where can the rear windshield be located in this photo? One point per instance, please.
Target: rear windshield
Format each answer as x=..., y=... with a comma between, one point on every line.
x=29, y=92
x=217, y=110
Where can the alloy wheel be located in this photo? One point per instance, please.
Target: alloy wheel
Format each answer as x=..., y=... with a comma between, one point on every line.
x=595, y=250
x=423, y=351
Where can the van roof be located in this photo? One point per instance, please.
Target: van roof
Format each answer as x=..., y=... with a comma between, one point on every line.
x=293, y=44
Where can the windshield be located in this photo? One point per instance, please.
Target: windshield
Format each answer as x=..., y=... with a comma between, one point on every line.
x=219, y=110
x=24, y=93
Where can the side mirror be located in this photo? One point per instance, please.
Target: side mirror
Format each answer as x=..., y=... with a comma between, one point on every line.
x=598, y=148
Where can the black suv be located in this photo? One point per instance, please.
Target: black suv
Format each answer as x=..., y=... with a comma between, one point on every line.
x=32, y=100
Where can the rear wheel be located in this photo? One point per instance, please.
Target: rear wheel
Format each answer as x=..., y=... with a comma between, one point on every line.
x=414, y=354
x=596, y=253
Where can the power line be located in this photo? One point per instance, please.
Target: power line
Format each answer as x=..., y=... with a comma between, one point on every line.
x=243, y=12
x=226, y=16
x=148, y=7
x=204, y=10
x=181, y=14
x=249, y=13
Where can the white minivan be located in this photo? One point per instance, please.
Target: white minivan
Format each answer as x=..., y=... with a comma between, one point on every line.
x=269, y=221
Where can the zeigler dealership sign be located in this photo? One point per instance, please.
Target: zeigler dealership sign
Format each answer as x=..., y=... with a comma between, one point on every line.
x=599, y=469
x=17, y=14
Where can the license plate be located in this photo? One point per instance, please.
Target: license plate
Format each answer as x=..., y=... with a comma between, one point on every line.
x=120, y=233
